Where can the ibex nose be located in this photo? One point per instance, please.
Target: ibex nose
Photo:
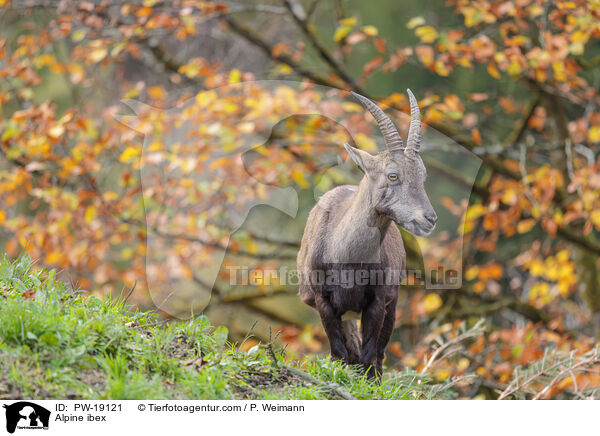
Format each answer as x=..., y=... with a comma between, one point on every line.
x=432, y=218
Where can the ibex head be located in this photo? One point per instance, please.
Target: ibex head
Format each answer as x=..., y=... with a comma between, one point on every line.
x=396, y=178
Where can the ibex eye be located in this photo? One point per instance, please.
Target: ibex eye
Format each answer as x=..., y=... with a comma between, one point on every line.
x=393, y=177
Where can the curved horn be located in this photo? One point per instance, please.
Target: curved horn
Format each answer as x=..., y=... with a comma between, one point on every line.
x=392, y=138
x=413, y=141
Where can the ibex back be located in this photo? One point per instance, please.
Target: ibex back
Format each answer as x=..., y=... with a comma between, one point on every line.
x=352, y=258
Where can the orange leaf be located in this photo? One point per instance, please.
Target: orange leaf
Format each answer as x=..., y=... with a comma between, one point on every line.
x=380, y=45
x=221, y=162
x=372, y=65
x=476, y=136
x=493, y=71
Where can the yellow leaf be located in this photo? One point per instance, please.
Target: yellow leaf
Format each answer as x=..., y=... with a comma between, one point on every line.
x=493, y=71
x=283, y=69
x=580, y=37
x=78, y=35
x=298, y=177
x=127, y=253
x=594, y=134
x=536, y=267
x=440, y=68
x=2, y=216
x=348, y=21
x=235, y=76
x=595, y=217
x=540, y=289
x=471, y=273
x=563, y=288
x=341, y=33
x=558, y=217
x=370, y=30
x=576, y=48
x=475, y=211
x=472, y=16
x=129, y=154
x=118, y=48
x=415, y=22
x=132, y=93
x=348, y=106
x=510, y=197
x=110, y=196
x=526, y=225
x=90, y=214
x=441, y=374
x=56, y=131
x=559, y=71
x=205, y=98
x=563, y=255
x=97, y=55
x=432, y=302
x=514, y=68
x=462, y=364
x=426, y=34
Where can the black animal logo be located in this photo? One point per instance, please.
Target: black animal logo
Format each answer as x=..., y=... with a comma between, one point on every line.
x=26, y=415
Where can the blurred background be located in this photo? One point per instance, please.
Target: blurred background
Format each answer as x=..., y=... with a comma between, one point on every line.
x=149, y=148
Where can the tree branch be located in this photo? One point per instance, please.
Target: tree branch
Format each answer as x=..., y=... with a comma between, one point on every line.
x=283, y=58
x=320, y=49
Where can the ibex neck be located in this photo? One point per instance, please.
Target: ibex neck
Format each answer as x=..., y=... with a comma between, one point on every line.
x=358, y=236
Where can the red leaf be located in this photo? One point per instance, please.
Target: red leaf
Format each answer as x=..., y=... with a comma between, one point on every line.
x=372, y=65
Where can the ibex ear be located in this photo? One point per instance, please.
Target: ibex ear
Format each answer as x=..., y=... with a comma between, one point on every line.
x=361, y=158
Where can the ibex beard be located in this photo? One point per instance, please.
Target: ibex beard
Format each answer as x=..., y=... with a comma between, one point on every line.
x=354, y=228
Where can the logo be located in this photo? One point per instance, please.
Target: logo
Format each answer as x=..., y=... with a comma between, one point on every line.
x=26, y=415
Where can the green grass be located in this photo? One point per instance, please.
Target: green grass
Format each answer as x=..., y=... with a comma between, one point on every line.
x=59, y=343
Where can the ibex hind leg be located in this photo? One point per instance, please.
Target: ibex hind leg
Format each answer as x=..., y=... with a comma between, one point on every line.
x=352, y=341
x=332, y=323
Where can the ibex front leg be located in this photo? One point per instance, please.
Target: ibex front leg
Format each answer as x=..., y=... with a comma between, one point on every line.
x=372, y=321
x=386, y=332
x=333, y=328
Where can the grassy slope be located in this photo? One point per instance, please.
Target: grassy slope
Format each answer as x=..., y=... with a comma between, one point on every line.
x=56, y=343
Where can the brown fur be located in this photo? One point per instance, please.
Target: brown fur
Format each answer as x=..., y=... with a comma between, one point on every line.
x=353, y=230
x=377, y=304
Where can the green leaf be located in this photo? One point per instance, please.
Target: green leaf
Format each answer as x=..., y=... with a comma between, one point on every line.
x=49, y=338
x=10, y=133
x=78, y=35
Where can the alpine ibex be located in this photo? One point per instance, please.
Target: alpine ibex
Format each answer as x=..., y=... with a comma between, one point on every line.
x=352, y=257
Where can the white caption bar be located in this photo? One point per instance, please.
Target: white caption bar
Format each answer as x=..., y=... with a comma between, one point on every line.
x=298, y=417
